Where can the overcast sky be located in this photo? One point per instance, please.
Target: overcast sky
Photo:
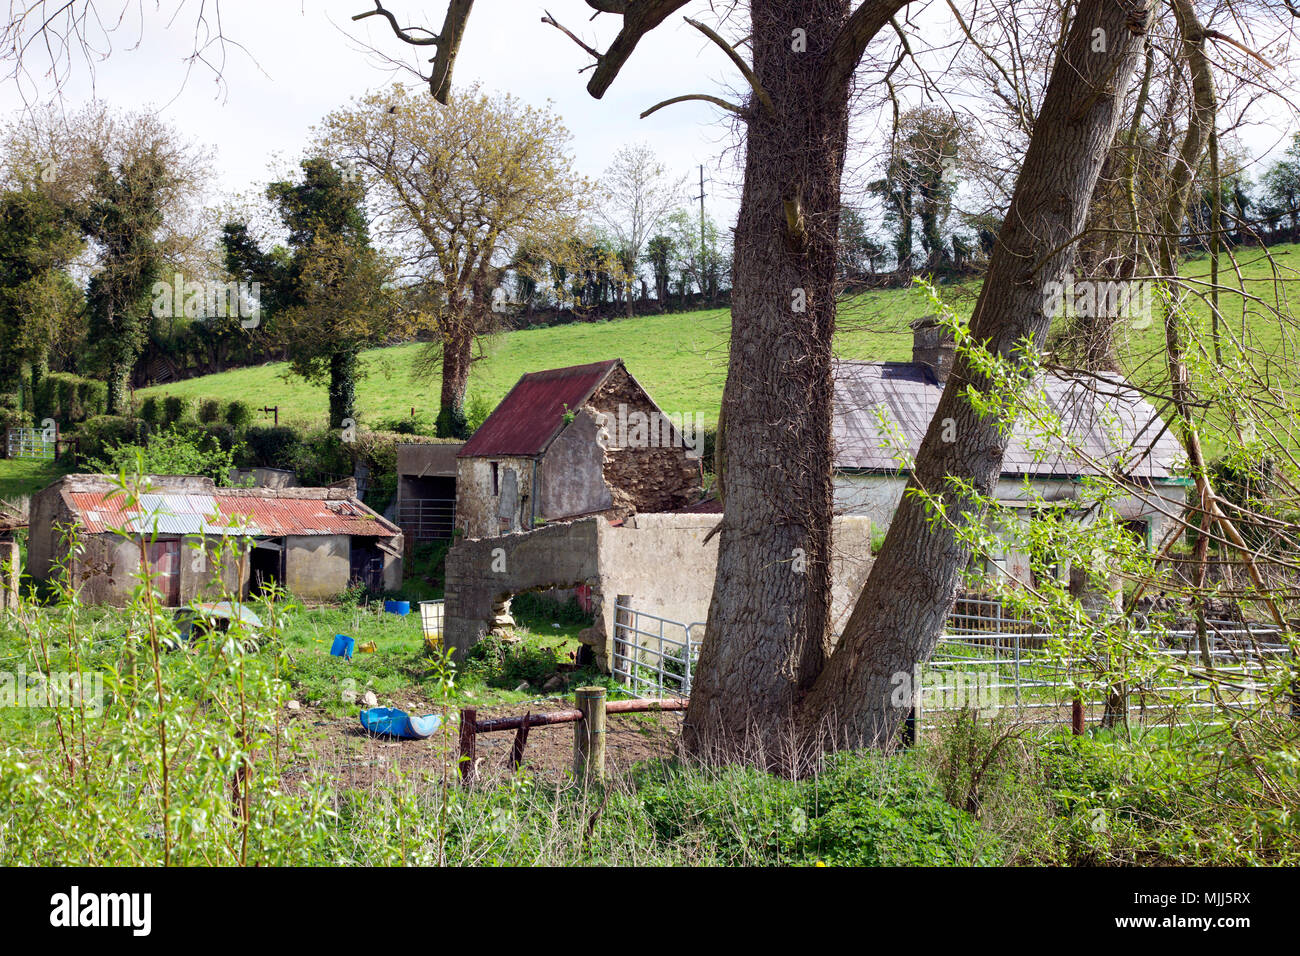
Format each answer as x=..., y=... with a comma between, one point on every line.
x=302, y=59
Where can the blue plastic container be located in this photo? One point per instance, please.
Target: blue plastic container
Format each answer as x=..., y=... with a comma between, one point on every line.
x=343, y=646
x=391, y=722
x=397, y=607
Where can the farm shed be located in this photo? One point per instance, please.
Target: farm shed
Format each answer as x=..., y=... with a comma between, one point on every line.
x=426, y=490
x=568, y=442
x=313, y=541
x=883, y=409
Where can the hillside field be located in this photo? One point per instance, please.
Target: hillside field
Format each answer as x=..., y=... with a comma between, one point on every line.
x=681, y=358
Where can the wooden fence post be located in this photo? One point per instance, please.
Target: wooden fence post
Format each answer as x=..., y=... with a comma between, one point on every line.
x=521, y=740
x=468, y=743
x=589, y=735
x=622, y=619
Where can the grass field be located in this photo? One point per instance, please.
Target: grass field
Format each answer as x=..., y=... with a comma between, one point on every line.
x=681, y=358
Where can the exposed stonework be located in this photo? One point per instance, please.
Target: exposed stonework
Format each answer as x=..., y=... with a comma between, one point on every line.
x=662, y=477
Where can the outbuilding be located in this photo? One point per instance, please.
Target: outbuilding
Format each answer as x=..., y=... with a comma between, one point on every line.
x=313, y=542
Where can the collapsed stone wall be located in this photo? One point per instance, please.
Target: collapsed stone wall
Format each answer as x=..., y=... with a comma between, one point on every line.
x=662, y=477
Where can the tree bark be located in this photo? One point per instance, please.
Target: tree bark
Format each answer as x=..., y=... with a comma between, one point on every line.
x=457, y=353
x=900, y=615
x=343, y=386
x=771, y=599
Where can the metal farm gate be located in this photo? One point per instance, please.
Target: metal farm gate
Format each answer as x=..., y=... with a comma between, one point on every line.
x=991, y=659
x=654, y=656
x=31, y=443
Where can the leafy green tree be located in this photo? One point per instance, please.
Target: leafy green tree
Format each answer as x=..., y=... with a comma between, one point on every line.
x=124, y=217
x=38, y=240
x=1282, y=185
x=325, y=296
x=659, y=254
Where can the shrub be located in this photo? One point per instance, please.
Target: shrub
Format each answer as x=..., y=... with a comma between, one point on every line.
x=477, y=409
x=176, y=408
x=209, y=411
x=151, y=412
x=273, y=446
x=239, y=415
x=170, y=452
x=96, y=435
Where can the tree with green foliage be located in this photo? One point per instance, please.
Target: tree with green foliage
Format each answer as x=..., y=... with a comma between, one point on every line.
x=38, y=298
x=1282, y=186
x=325, y=296
x=460, y=189
x=124, y=217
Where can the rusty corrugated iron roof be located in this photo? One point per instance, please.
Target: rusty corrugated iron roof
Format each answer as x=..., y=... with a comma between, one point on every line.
x=881, y=405
x=533, y=413
x=226, y=513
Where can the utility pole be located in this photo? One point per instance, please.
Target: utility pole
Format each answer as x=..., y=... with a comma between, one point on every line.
x=703, y=252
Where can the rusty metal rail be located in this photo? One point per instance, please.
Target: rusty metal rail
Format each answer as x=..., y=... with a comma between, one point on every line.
x=588, y=737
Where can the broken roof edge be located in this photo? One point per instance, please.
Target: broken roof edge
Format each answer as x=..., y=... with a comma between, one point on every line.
x=468, y=451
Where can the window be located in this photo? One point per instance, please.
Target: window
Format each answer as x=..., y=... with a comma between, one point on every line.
x=496, y=478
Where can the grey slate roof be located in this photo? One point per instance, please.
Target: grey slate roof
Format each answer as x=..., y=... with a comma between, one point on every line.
x=1108, y=421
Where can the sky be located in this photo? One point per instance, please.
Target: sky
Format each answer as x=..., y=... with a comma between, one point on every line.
x=303, y=59
x=290, y=62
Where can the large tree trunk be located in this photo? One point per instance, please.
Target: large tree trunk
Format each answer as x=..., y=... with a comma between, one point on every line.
x=909, y=594
x=771, y=598
x=457, y=353
x=343, y=387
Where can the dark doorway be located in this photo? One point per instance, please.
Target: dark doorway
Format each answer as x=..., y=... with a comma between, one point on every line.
x=266, y=567
x=427, y=511
x=367, y=563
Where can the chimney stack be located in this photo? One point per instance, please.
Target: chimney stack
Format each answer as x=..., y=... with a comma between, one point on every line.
x=933, y=346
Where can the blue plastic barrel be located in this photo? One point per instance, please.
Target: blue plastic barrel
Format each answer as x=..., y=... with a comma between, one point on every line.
x=342, y=646
x=397, y=607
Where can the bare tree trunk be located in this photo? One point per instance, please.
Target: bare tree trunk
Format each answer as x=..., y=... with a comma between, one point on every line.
x=457, y=353
x=771, y=599
x=901, y=613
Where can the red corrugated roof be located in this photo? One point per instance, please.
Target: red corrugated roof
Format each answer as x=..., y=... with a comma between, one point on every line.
x=191, y=514
x=533, y=413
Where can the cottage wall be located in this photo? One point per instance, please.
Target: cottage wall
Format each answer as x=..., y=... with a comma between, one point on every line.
x=571, y=478
x=317, y=567
x=878, y=496
x=481, y=511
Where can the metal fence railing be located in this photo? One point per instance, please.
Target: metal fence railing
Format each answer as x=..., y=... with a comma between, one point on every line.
x=990, y=671
x=427, y=519
x=654, y=656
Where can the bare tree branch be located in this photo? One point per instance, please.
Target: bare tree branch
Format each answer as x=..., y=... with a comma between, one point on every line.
x=736, y=58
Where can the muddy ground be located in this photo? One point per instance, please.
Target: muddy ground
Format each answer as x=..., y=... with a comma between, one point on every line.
x=336, y=751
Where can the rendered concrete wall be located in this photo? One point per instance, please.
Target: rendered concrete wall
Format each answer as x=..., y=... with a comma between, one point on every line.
x=571, y=479
x=878, y=496
x=661, y=560
x=317, y=567
x=482, y=572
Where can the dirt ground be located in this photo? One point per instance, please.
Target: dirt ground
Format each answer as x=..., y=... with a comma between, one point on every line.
x=338, y=752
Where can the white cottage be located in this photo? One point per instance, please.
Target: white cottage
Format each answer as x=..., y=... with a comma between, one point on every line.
x=883, y=409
